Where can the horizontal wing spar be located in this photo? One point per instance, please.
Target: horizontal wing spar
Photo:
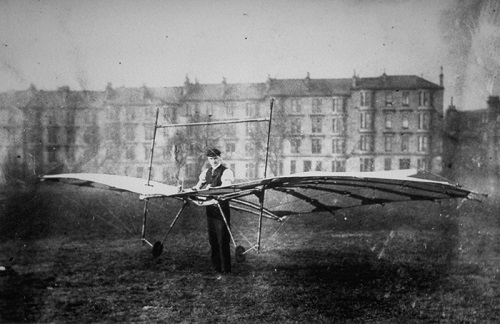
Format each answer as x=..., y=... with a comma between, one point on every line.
x=294, y=194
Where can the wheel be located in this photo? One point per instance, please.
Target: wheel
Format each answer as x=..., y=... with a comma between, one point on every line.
x=239, y=254
x=157, y=249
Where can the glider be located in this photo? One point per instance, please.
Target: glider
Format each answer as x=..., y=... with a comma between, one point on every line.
x=278, y=198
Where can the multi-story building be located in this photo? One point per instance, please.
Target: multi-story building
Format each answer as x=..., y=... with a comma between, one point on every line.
x=472, y=141
x=351, y=124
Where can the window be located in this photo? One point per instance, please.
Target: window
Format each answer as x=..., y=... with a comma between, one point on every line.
x=338, y=166
x=406, y=98
x=388, y=140
x=52, y=118
x=248, y=149
x=250, y=127
x=148, y=134
x=388, y=120
x=423, y=164
x=319, y=166
x=130, y=114
x=250, y=171
x=53, y=134
x=317, y=124
x=423, y=143
x=150, y=113
x=317, y=106
x=229, y=110
x=296, y=108
x=337, y=125
x=209, y=109
x=130, y=153
x=338, y=146
x=130, y=133
x=230, y=147
x=307, y=166
x=423, y=98
x=147, y=152
x=296, y=126
x=388, y=164
x=295, y=145
x=388, y=98
x=365, y=121
x=366, y=165
x=363, y=98
x=366, y=143
x=70, y=153
x=423, y=121
x=405, y=124
x=404, y=164
x=484, y=118
x=338, y=105
x=405, y=143
x=52, y=152
x=293, y=167
x=316, y=146
x=252, y=109
x=140, y=171
x=189, y=110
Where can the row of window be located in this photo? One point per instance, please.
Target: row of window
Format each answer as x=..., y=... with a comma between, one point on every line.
x=367, y=143
x=366, y=120
x=70, y=117
x=308, y=165
x=319, y=105
x=88, y=134
x=368, y=164
x=424, y=98
x=113, y=114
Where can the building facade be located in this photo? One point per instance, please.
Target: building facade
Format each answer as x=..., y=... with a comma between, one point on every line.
x=351, y=124
x=472, y=141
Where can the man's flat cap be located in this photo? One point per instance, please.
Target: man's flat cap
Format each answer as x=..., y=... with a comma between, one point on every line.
x=213, y=152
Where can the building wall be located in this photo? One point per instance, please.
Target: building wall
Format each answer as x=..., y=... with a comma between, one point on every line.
x=323, y=125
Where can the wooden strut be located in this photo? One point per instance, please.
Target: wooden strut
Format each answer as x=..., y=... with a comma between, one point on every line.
x=227, y=224
x=143, y=231
x=261, y=196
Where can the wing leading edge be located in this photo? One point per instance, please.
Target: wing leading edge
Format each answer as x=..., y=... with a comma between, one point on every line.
x=295, y=194
x=328, y=192
x=115, y=182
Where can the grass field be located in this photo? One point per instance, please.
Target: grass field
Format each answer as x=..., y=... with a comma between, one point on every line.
x=74, y=255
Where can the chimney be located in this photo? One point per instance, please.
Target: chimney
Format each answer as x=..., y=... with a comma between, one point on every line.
x=384, y=77
x=224, y=86
x=494, y=104
x=187, y=86
x=146, y=94
x=64, y=91
x=268, y=83
x=354, y=79
x=110, y=92
x=308, y=81
x=441, y=78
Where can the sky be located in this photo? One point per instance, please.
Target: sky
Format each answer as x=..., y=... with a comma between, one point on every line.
x=88, y=44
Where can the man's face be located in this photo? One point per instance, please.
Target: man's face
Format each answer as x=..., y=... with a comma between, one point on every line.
x=214, y=161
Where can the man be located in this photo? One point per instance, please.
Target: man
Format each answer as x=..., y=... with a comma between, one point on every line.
x=218, y=235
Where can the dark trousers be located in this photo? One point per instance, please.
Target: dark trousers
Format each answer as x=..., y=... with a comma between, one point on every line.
x=219, y=238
